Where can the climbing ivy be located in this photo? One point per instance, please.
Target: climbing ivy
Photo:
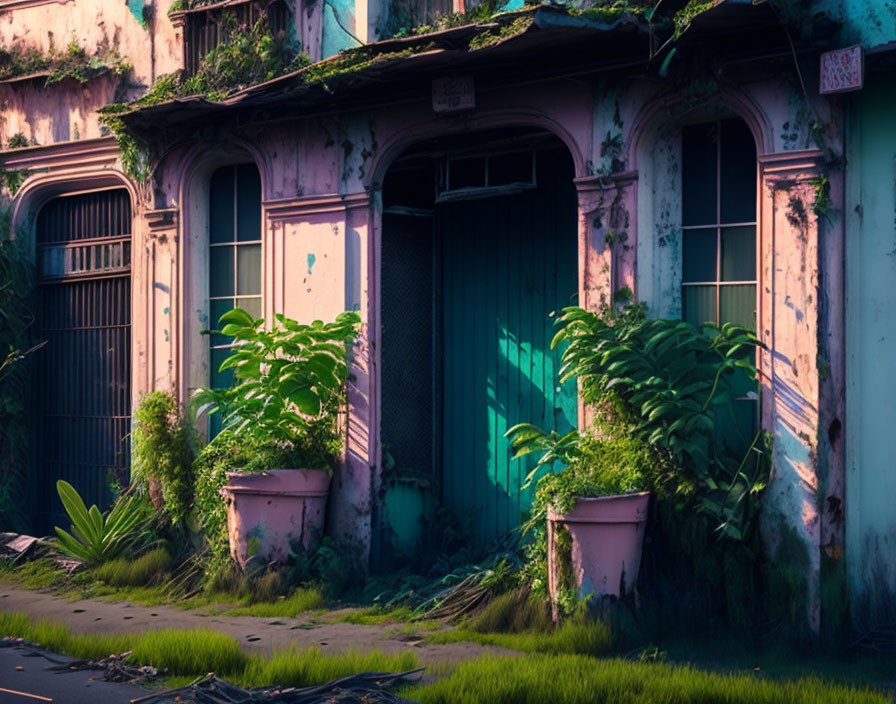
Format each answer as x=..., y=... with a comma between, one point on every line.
x=16, y=317
x=250, y=55
x=56, y=65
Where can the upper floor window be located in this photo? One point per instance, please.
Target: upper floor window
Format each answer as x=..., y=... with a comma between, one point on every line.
x=208, y=26
x=234, y=253
x=719, y=223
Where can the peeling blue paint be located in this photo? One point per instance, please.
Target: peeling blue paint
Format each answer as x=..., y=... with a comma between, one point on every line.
x=136, y=8
x=338, y=27
x=166, y=310
x=311, y=260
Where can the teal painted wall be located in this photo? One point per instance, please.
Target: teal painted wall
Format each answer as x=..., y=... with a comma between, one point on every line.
x=866, y=22
x=338, y=27
x=871, y=355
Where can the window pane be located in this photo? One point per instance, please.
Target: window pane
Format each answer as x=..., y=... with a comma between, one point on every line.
x=739, y=253
x=510, y=168
x=738, y=172
x=698, y=174
x=699, y=255
x=220, y=380
x=221, y=206
x=466, y=173
x=251, y=305
x=220, y=274
x=248, y=268
x=737, y=304
x=217, y=309
x=248, y=203
x=698, y=304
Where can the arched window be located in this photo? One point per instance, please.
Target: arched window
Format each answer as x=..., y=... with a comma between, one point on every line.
x=718, y=262
x=718, y=169
x=234, y=275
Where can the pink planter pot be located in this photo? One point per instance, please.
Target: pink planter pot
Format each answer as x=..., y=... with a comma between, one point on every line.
x=607, y=535
x=275, y=508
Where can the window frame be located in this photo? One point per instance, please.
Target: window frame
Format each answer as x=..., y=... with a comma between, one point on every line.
x=234, y=245
x=719, y=226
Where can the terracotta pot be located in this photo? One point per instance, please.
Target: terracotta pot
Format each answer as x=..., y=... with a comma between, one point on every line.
x=607, y=535
x=273, y=509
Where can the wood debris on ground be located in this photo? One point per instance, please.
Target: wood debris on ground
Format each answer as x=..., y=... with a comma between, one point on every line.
x=365, y=688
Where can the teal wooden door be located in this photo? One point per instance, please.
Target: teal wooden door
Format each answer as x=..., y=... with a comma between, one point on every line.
x=508, y=263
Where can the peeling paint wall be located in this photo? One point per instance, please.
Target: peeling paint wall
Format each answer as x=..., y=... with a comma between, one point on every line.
x=137, y=31
x=871, y=353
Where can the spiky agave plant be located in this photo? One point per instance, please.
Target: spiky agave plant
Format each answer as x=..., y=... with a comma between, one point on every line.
x=95, y=539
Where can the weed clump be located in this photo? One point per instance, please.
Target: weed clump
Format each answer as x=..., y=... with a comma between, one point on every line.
x=147, y=569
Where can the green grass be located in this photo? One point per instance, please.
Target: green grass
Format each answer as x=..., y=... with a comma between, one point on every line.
x=374, y=616
x=146, y=569
x=36, y=574
x=300, y=601
x=572, y=638
x=304, y=667
x=572, y=679
x=191, y=653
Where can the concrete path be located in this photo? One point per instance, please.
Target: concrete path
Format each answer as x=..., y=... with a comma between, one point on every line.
x=255, y=634
x=23, y=680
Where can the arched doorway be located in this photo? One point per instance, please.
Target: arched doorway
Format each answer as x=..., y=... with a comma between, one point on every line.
x=83, y=372
x=479, y=247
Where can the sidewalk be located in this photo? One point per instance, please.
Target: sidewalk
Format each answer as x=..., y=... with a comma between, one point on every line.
x=255, y=634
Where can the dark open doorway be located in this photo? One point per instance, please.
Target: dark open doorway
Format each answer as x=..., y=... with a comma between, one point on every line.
x=479, y=247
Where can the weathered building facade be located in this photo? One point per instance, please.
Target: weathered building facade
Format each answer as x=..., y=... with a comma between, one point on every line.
x=456, y=187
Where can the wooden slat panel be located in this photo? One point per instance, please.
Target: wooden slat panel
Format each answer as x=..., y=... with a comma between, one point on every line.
x=508, y=263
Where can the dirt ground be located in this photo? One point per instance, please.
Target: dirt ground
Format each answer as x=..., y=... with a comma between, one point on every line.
x=255, y=634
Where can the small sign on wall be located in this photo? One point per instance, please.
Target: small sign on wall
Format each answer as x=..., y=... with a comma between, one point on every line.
x=453, y=93
x=842, y=70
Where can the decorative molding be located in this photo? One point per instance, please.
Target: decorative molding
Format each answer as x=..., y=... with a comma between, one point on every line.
x=161, y=219
x=62, y=155
x=783, y=164
x=288, y=208
x=596, y=183
x=10, y=5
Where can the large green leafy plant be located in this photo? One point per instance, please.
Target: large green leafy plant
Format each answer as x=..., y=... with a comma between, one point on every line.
x=289, y=381
x=94, y=538
x=674, y=387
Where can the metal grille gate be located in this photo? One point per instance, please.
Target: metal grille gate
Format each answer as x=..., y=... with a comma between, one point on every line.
x=83, y=404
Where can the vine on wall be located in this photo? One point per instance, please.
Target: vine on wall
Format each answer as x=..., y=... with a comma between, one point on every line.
x=16, y=317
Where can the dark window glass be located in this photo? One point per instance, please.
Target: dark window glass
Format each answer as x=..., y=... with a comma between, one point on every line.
x=698, y=304
x=699, y=255
x=737, y=304
x=698, y=174
x=515, y=167
x=739, y=253
x=466, y=173
x=221, y=206
x=248, y=189
x=738, y=178
x=220, y=272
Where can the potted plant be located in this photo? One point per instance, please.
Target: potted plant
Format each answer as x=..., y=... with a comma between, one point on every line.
x=594, y=509
x=663, y=395
x=285, y=405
